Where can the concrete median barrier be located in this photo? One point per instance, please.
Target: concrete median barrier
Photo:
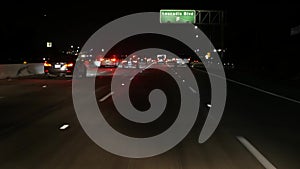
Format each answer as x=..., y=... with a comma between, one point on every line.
x=19, y=70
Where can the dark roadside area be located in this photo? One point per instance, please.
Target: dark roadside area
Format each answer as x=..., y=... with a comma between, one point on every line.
x=279, y=82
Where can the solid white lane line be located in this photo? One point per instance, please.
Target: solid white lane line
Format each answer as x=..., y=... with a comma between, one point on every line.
x=267, y=92
x=256, y=153
x=63, y=127
x=193, y=90
x=107, y=96
x=255, y=88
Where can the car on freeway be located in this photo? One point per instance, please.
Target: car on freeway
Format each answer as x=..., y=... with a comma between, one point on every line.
x=196, y=64
x=63, y=65
x=178, y=62
x=130, y=62
x=161, y=58
x=60, y=65
x=142, y=62
x=112, y=61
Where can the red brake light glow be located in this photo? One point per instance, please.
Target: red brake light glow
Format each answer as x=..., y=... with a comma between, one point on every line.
x=113, y=59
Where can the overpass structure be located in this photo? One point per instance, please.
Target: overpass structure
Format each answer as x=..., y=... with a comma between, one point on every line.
x=212, y=23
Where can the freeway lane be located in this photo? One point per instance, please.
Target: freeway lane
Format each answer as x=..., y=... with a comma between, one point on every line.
x=31, y=116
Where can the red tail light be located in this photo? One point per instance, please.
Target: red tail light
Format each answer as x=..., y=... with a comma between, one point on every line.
x=113, y=59
x=47, y=64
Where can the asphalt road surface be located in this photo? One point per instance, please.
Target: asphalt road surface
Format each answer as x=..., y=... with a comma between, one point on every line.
x=40, y=129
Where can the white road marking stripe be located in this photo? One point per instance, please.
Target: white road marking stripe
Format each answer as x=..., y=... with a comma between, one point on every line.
x=256, y=153
x=149, y=65
x=63, y=127
x=255, y=88
x=100, y=88
x=44, y=86
x=208, y=105
x=193, y=90
x=107, y=96
x=267, y=92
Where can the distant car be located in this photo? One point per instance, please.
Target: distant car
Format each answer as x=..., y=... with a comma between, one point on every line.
x=130, y=62
x=197, y=64
x=109, y=62
x=171, y=62
x=177, y=62
x=142, y=62
x=61, y=65
x=161, y=58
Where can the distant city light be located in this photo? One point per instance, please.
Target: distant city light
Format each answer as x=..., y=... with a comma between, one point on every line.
x=71, y=46
x=197, y=36
x=77, y=47
x=102, y=50
x=196, y=27
x=49, y=44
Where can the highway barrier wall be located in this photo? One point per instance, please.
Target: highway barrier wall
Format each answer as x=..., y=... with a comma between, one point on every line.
x=19, y=70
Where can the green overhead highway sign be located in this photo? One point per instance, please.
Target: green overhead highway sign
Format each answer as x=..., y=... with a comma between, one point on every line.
x=177, y=16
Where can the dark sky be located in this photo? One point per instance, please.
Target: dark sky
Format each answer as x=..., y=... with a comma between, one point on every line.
x=25, y=29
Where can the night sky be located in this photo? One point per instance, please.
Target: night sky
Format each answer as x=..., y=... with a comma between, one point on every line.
x=255, y=31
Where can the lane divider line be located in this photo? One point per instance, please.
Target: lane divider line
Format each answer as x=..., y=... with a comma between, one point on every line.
x=256, y=153
x=106, y=97
x=255, y=88
x=193, y=90
x=63, y=127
